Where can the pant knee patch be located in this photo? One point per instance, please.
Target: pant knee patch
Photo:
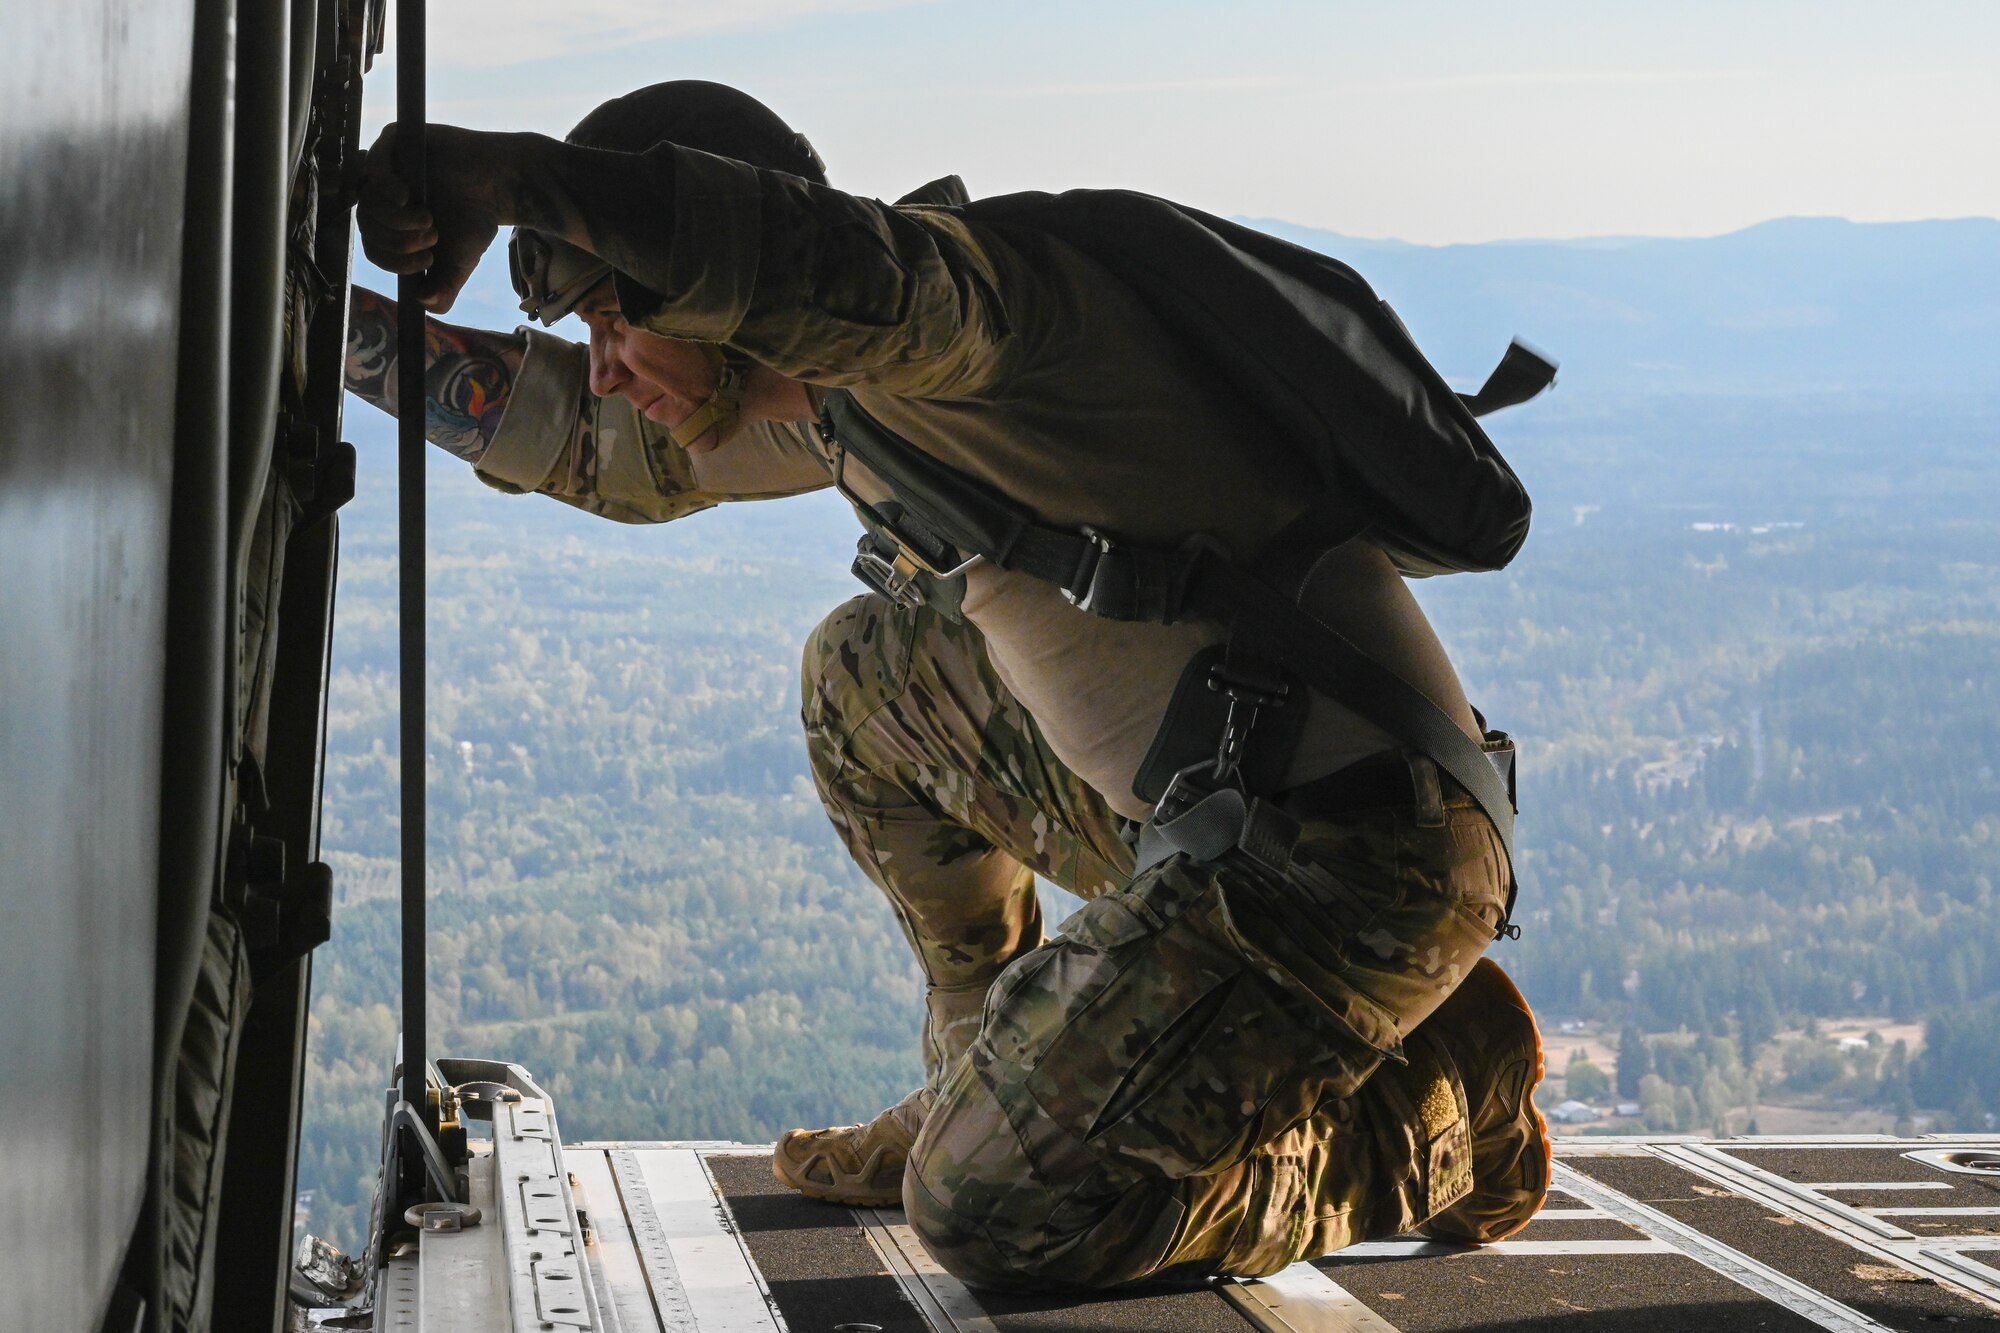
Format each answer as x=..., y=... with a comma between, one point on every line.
x=1145, y=1035
x=856, y=660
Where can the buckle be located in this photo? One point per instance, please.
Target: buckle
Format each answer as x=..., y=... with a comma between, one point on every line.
x=1249, y=692
x=1207, y=825
x=1082, y=590
x=1188, y=562
x=893, y=577
x=1106, y=580
x=909, y=553
x=1124, y=582
x=1500, y=752
x=889, y=574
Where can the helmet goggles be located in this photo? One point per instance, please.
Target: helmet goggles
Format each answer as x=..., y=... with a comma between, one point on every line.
x=550, y=275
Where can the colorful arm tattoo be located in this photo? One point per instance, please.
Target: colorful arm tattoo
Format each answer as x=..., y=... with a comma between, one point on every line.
x=466, y=385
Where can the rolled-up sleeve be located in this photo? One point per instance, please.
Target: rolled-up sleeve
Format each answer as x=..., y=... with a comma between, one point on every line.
x=540, y=421
x=556, y=438
x=830, y=288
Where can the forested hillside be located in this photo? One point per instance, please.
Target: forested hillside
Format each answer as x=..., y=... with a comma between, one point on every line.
x=1749, y=651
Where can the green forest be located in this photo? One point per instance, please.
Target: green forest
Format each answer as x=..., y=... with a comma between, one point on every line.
x=1749, y=652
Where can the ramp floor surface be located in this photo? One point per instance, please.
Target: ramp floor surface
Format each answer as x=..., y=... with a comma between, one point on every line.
x=1674, y=1235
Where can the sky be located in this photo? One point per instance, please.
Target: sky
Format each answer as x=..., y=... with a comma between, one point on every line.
x=1432, y=121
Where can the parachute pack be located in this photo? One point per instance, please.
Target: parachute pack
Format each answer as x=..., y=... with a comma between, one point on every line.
x=1312, y=348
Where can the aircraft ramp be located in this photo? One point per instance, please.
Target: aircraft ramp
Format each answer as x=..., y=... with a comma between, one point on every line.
x=1641, y=1234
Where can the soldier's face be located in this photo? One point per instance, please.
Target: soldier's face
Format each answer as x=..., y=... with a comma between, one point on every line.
x=667, y=379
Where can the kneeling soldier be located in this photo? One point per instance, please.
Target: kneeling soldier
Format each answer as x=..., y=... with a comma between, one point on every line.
x=1224, y=1062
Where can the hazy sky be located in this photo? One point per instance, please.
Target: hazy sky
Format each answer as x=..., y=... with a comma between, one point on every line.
x=1428, y=120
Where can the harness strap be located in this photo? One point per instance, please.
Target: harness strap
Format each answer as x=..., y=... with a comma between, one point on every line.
x=1338, y=668
x=1207, y=585
x=1126, y=582
x=1521, y=374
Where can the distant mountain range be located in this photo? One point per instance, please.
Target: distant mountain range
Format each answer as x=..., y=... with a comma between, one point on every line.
x=1795, y=305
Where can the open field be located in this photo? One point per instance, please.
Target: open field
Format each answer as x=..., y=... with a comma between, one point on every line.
x=1777, y=1111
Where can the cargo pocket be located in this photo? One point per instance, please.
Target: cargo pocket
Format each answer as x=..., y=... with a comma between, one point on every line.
x=1302, y=952
x=1110, y=1230
x=1170, y=1053
x=1013, y=977
x=1278, y=1225
x=1233, y=1068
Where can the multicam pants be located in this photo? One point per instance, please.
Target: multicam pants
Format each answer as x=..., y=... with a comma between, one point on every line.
x=1211, y=1069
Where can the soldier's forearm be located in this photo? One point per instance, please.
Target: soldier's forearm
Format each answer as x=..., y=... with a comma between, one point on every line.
x=470, y=377
x=618, y=206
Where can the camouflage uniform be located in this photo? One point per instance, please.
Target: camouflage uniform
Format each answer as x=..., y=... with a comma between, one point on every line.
x=1211, y=1069
x=947, y=796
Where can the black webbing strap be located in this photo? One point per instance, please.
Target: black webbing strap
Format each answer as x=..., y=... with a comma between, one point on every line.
x=1338, y=668
x=939, y=501
x=1521, y=374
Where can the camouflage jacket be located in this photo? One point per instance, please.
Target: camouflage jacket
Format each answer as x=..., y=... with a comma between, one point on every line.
x=1010, y=356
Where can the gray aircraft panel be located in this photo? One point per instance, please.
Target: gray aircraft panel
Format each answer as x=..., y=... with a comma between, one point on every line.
x=93, y=129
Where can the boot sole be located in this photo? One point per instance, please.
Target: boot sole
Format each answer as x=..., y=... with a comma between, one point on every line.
x=843, y=1197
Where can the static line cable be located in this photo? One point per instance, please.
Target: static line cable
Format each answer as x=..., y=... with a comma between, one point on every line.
x=410, y=536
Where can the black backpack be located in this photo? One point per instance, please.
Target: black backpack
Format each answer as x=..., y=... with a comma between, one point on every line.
x=1310, y=345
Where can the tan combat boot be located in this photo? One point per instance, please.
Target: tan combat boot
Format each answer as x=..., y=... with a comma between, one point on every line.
x=1490, y=1034
x=858, y=1165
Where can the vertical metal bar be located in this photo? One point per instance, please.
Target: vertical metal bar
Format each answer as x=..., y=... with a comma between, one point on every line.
x=410, y=536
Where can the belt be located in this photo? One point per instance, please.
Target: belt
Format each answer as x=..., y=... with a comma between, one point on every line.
x=1227, y=822
x=1387, y=779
